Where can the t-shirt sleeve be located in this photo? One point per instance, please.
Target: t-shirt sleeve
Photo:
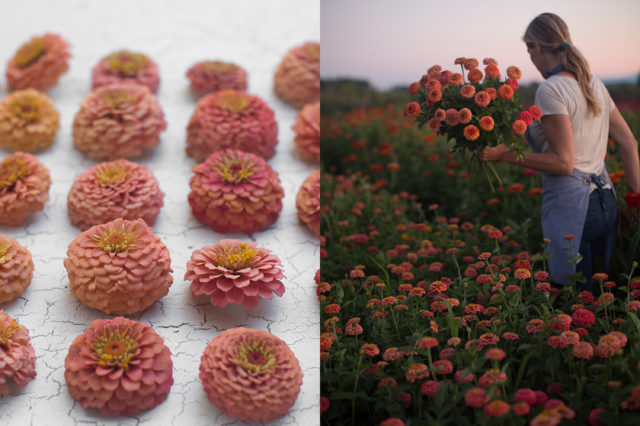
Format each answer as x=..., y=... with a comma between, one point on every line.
x=550, y=101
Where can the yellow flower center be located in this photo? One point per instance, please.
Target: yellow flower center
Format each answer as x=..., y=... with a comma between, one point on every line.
x=217, y=66
x=4, y=249
x=256, y=358
x=115, y=349
x=111, y=174
x=11, y=171
x=6, y=333
x=26, y=106
x=313, y=50
x=126, y=63
x=118, y=99
x=234, y=170
x=233, y=101
x=236, y=258
x=29, y=52
x=115, y=240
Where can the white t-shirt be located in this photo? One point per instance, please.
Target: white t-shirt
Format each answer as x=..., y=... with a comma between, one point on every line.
x=562, y=95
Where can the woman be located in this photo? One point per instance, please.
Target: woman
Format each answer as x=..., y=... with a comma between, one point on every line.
x=569, y=143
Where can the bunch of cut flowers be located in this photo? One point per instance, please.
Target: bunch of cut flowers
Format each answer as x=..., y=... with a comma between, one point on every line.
x=473, y=108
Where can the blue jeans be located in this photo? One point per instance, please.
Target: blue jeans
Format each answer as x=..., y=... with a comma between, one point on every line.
x=602, y=220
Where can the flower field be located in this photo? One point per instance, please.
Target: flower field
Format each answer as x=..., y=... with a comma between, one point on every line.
x=436, y=307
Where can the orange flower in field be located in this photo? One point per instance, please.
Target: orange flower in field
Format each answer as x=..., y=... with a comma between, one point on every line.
x=496, y=408
x=493, y=93
x=514, y=72
x=471, y=132
x=505, y=92
x=465, y=115
x=460, y=61
x=486, y=123
x=475, y=75
x=370, y=349
x=456, y=79
x=440, y=114
x=432, y=84
x=519, y=127
x=434, y=125
x=516, y=187
x=412, y=109
x=413, y=89
x=535, y=112
x=470, y=63
x=434, y=70
x=467, y=91
x=522, y=274
x=435, y=95
x=492, y=71
x=482, y=98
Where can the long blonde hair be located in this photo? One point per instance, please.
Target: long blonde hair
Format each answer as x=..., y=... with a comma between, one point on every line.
x=551, y=33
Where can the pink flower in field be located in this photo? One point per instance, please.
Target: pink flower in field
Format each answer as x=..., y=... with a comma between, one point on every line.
x=126, y=66
x=633, y=306
x=332, y=308
x=471, y=132
x=583, y=318
x=456, y=79
x=527, y=395
x=495, y=354
x=519, y=127
x=429, y=388
x=507, y=335
x=482, y=98
x=467, y=91
x=546, y=418
x=434, y=96
x=546, y=287
x=416, y=372
x=526, y=117
x=325, y=404
x=586, y=297
x=521, y=408
x=434, y=124
x=297, y=78
x=470, y=63
x=465, y=115
x=428, y=342
x=496, y=408
x=487, y=339
x=387, y=382
x=370, y=349
x=582, y=350
x=561, y=322
x=535, y=112
x=453, y=341
x=392, y=421
x=556, y=342
x=447, y=353
x=440, y=114
x=522, y=274
x=452, y=118
x=432, y=85
x=211, y=76
x=541, y=275
x=460, y=379
x=353, y=327
x=17, y=357
x=491, y=71
x=476, y=397
x=491, y=377
x=594, y=419
x=442, y=366
x=392, y=354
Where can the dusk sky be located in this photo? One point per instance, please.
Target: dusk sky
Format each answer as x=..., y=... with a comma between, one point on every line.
x=393, y=42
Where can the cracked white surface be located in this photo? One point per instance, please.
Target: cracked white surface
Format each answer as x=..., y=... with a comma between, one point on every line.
x=251, y=33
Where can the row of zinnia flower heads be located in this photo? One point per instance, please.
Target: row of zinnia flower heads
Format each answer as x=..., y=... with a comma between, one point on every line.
x=121, y=367
x=232, y=191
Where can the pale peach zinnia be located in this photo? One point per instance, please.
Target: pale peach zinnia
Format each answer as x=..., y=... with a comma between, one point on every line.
x=17, y=357
x=307, y=130
x=24, y=187
x=235, y=272
x=211, y=76
x=16, y=269
x=126, y=66
x=297, y=78
x=308, y=202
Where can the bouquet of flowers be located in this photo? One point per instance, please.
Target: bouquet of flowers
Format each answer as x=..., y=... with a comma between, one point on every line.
x=476, y=110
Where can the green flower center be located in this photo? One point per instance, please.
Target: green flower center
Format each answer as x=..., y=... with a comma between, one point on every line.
x=233, y=101
x=11, y=171
x=111, y=174
x=236, y=258
x=217, y=66
x=256, y=358
x=126, y=63
x=115, y=349
x=26, y=107
x=115, y=240
x=29, y=52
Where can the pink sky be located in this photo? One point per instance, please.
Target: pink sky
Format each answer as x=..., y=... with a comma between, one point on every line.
x=393, y=43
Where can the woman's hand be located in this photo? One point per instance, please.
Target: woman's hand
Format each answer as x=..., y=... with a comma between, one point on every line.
x=495, y=153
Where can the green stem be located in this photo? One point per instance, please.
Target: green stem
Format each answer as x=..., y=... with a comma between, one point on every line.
x=355, y=388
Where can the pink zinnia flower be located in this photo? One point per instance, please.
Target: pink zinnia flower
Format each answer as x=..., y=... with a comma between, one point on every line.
x=129, y=267
x=308, y=202
x=235, y=272
x=234, y=191
x=482, y=98
x=476, y=397
x=17, y=357
x=429, y=388
x=116, y=189
x=212, y=76
x=250, y=374
x=370, y=349
x=39, y=63
x=416, y=372
x=119, y=120
x=24, y=187
x=16, y=269
x=297, y=78
x=514, y=72
x=467, y=91
x=465, y=115
x=495, y=354
x=452, y=118
x=442, y=366
x=118, y=366
x=307, y=129
x=519, y=127
x=124, y=66
x=28, y=121
x=392, y=421
x=583, y=317
x=535, y=112
x=594, y=417
x=582, y=350
x=496, y=408
x=231, y=119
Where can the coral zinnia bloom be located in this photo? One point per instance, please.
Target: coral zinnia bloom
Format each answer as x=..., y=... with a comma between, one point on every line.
x=496, y=408
x=231, y=119
x=250, y=374
x=486, y=123
x=119, y=268
x=126, y=66
x=505, y=92
x=307, y=129
x=235, y=272
x=211, y=76
x=308, y=202
x=471, y=132
x=465, y=115
x=24, y=187
x=476, y=397
x=297, y=78
x=111, y=190
x=482, y=98
x=519, y=127
x=16, y=269
x=28, y=121
x=118, y=120
x=514, y=72
x=38, y=63
x=467, y=91
x=475, y=75
x=17, y=357
x=234, y=191
x=118, y=366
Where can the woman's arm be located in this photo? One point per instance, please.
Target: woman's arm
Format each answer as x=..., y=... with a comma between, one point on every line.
x=558, y=161
x=621, y=134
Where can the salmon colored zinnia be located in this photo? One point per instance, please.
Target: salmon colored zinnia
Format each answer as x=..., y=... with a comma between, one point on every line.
x=16, y=269
x=308, y=202
x=119, y=366
x=297, y=78
x=17, y=357
x=471, y=132
x=24, y=187
x=211, y=76
x=486, y=123
x=126, y=66
x=307, y=130
x=250, y=374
